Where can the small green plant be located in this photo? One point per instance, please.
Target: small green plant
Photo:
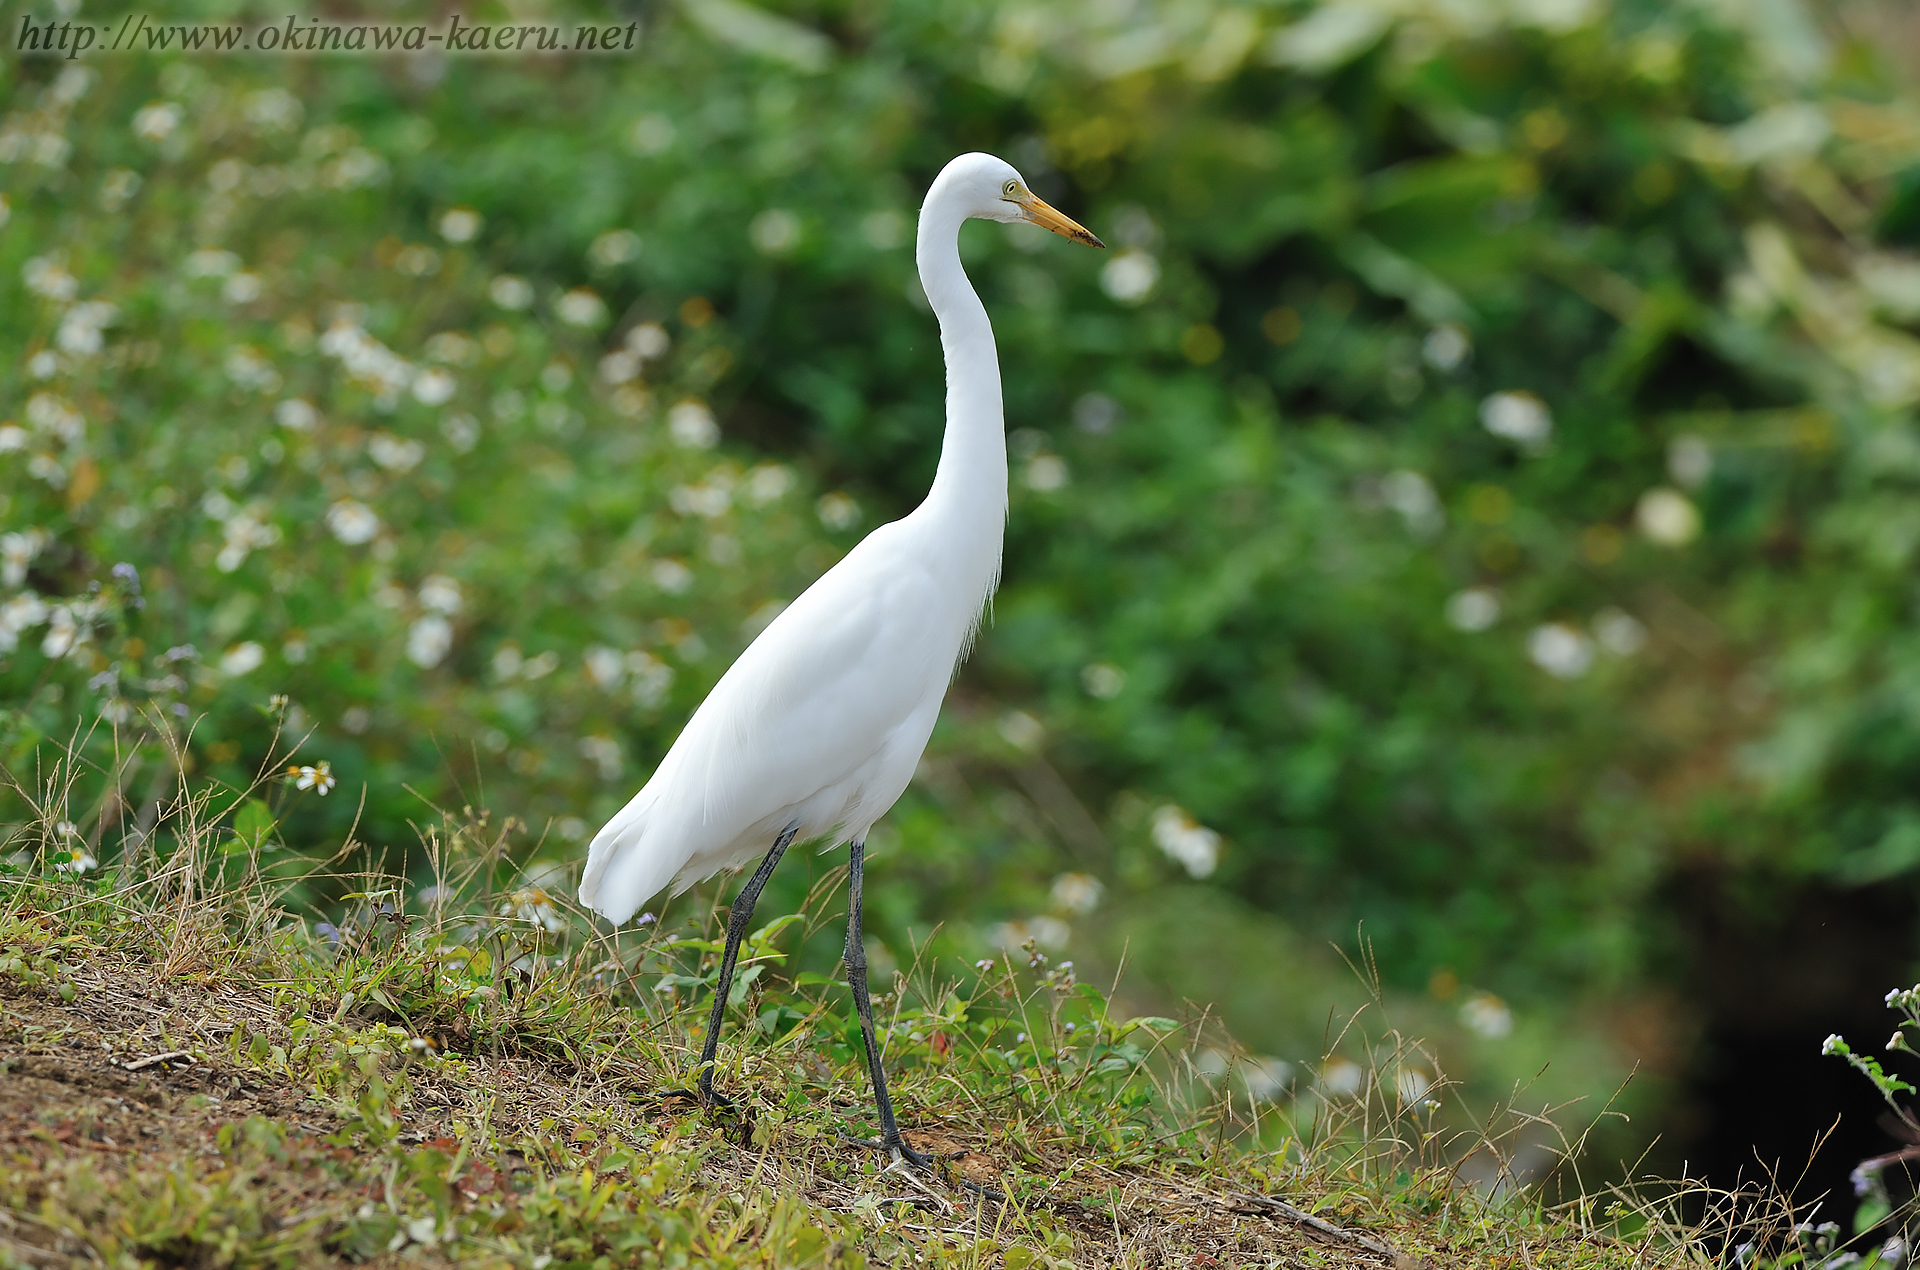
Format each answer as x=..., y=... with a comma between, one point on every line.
x=1879, y=1210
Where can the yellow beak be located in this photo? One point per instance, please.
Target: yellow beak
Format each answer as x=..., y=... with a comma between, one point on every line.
x=1041, y=213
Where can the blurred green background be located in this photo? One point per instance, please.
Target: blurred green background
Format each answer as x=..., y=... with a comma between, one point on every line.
x=1466, y=521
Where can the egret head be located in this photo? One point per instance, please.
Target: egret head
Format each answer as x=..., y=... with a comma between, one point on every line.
x=989, y=189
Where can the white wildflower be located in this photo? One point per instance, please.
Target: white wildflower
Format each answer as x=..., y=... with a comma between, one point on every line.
x=243, y=658
x=244, y=530
x=47, y=277
x=1103, y=680
x=19, y=614
x=462, y=432
x=1076, y=892
x=1486, y=1015
x=775, y=231
x=243, y=288
x=619, y=367
x=671, y=576
x=604, y=753
x=837, y=511
x=211, y=262
x=701, y=499
x=651, y=679
x=1474, y=609
x=1689, y=461
x=615, y=247
x=157, y=121
x=428, y=640
x=1519, y=417
x=1046, y=931
x=1342, y=1077
x=417, y=261
x=1021, y=730
x=53, y=414
x=532, y=904
x=296, y=415
x=317, y=777
x=1267, y=1078
x=652, y=134
x=1130, y=276
x=453, y=348
x=648, y=340
x=1411, y=494
x=1619, y=632
x=371, y=363
x=1411, y=1084
x=249, y=368
x=74, y=860
x=352, y=522
x=1046, y=473
x=605, y=666
x=767, y=482
x=64, y=632
x=460, y=224
x=692, y=425
x=434, y=387
x=81, y=327
x=510, y=292
x=440, y=594
x=1192, y=845
x=580, y=307
x=1560, y=650
x=1668, y=517
x=396, y=454
x=17, y=551
x=1446, y=346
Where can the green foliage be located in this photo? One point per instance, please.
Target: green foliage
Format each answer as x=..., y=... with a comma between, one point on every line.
x=1473, y=499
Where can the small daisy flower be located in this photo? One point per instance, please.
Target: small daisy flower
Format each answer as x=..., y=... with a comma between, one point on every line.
x=318, y=777
x=76, y=861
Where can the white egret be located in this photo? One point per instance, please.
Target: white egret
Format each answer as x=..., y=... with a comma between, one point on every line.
x=815, y=731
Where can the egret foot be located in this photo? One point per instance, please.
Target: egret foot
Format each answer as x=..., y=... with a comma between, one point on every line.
x=919, y=1159
x=712, y=1099
x=926, y=1163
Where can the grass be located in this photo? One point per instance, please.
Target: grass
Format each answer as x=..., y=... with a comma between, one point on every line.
x=222, y=1054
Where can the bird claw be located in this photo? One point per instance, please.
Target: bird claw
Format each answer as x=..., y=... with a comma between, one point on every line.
x=709, y=1098
x=902, y=1153
x=900, y=1150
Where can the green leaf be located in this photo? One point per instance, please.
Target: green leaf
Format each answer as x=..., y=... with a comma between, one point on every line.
x=741, y=982
x=1873, y=1210
x=1151, y=1022
x=252, y=823
x=771, y=931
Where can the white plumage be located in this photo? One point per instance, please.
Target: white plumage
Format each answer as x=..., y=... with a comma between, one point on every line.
x=822, y=720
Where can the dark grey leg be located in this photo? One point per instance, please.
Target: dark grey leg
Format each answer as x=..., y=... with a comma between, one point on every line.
x=738, y=917
x=857, y=980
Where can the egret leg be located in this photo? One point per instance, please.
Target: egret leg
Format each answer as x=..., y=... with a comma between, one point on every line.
x=738, y=918
x=857, y=980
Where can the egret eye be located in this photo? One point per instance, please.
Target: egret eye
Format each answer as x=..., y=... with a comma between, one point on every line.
x=1013, y=188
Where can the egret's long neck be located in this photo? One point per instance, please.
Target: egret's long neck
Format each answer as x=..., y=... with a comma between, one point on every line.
x=969, y=495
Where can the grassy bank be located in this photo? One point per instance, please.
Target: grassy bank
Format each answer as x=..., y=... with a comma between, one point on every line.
x=220, y=1052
